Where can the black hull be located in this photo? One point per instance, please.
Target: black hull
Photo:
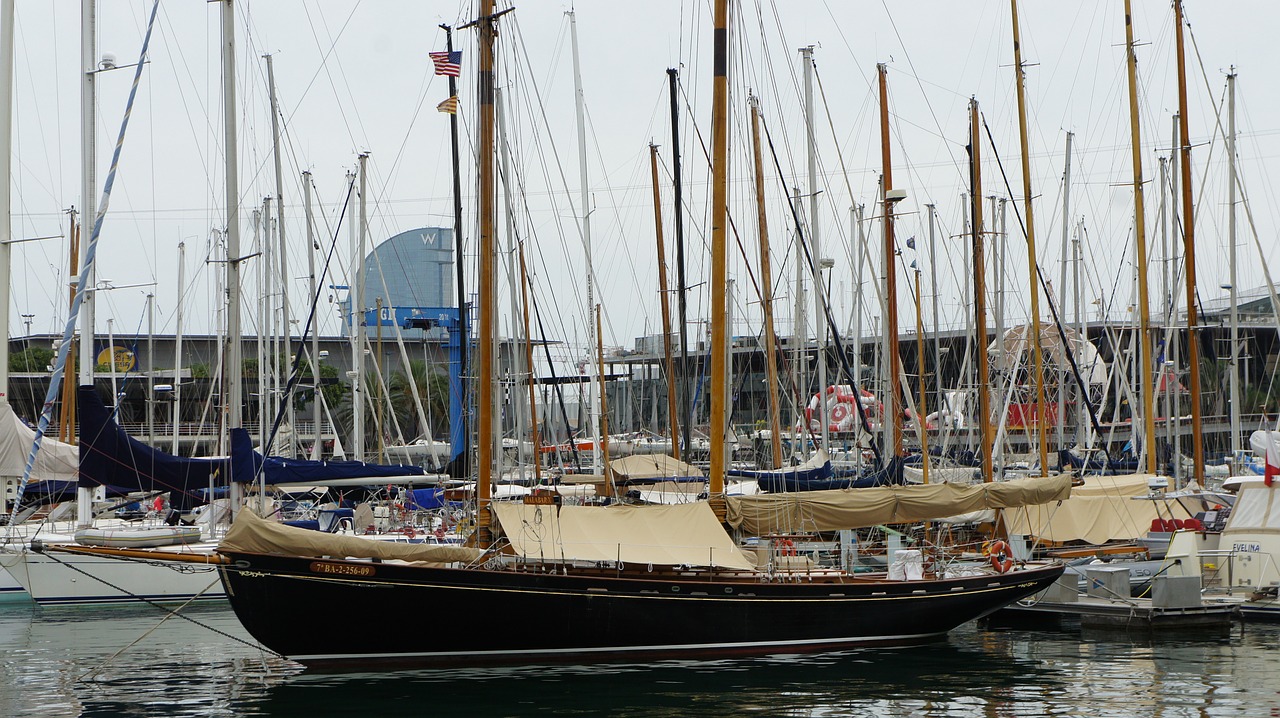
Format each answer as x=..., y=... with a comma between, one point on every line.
x=439, y=616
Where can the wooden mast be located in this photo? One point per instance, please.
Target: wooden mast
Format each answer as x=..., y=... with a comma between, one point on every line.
x=487, y=248
x=1140, y=231
x=528, y=360
x=604, y=411
x=766, y=298
x=719, y=222
x=980, y=293
x=67, y=428
x=893, y=397
x=1189, y=258
x=673, y=422
x=921, y=410
x=1033, y=322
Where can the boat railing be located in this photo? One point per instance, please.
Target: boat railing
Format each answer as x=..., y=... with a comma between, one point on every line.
x=1212, y=563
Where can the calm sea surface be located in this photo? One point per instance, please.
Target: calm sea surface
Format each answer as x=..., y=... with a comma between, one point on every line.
x=127, y=662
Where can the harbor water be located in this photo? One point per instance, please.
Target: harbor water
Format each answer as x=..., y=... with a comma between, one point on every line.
x=131, y=662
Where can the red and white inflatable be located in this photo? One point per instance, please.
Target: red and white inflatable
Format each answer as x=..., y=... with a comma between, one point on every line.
x=836, y=405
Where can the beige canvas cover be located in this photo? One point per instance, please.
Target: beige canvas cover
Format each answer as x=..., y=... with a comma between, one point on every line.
x=55, y=462
x=1102, y=510
x=681, y=535
x=639, y=467
x=1256, y=511
x=859, y=508
x=254, y=534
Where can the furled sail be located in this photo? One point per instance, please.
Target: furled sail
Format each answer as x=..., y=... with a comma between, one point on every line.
x=254, y=534
x=858, y=508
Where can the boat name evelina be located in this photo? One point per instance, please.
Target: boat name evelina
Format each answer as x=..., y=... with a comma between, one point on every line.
x=1246, y=547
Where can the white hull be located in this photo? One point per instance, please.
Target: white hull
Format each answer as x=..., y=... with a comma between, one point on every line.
x=64, y=579
x=10, y=589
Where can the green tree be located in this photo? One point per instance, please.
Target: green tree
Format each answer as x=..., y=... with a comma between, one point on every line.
x=31, y=359
x=433, y=388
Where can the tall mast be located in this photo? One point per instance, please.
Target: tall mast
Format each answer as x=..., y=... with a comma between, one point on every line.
x=922, y=409
x=6, y=162
x=584, y=199
x=1082, y=423
x=719, y=220
x=1062, y=288
x=1189, y=259
x=1171, y=273
x=604, y=413
x=933, y=281
x=176, y=412
x=815, y=247
x=234, y=368
x=766, y=299
x=893, y=397
x=1140, y=234
x=980, y=292
x=1231, y=239
x=88, y=178
x=458, y=394
x=686, y=399
x=67, y=429
x=508, y=195
x=487, y=248
x=259, y=219
x=528, y=359
x=1032, y=272
x=673, y=422
x=315, y=331
x=800, y=331
x=151, y=369
x=358, y=324
x=858, y=274
x=279, y=371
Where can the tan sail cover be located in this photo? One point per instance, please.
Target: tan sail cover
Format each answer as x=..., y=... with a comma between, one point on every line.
x=681, y=535
x=1102, y=510
x=254, y=534
x=859, y=508
x=639, y=467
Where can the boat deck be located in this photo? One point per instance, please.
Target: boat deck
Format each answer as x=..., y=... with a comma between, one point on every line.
x=1130, y=614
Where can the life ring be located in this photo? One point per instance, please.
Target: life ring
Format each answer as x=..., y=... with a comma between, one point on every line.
x=409, y=532
x=1001, y=556
x=786, y=548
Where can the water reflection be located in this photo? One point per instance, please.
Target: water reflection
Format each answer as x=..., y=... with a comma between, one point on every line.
x=63, y=662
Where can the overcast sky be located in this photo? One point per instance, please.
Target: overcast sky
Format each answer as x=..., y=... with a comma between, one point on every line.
x=355, y=77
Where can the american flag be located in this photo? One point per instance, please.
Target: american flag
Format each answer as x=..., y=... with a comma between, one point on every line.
x=448, y=64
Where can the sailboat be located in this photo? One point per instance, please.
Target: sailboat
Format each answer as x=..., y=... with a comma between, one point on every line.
x=624, y=581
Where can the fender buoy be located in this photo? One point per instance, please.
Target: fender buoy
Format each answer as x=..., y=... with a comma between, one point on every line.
x=1001, y=556
x=786, y=548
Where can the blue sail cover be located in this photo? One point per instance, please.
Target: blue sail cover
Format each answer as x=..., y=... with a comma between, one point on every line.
x=245, y=464
x=782, y=482
x=110, y=457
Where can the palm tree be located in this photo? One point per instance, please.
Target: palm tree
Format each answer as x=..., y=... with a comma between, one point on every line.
x=433, y=388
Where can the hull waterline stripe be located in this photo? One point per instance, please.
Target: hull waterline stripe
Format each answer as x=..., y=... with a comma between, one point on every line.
x=673, y=648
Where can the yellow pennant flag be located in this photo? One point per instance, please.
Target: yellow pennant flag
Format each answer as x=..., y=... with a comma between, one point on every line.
x=450, y=105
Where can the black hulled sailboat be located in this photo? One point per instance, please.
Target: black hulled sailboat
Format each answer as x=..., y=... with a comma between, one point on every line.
x=546, y=582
